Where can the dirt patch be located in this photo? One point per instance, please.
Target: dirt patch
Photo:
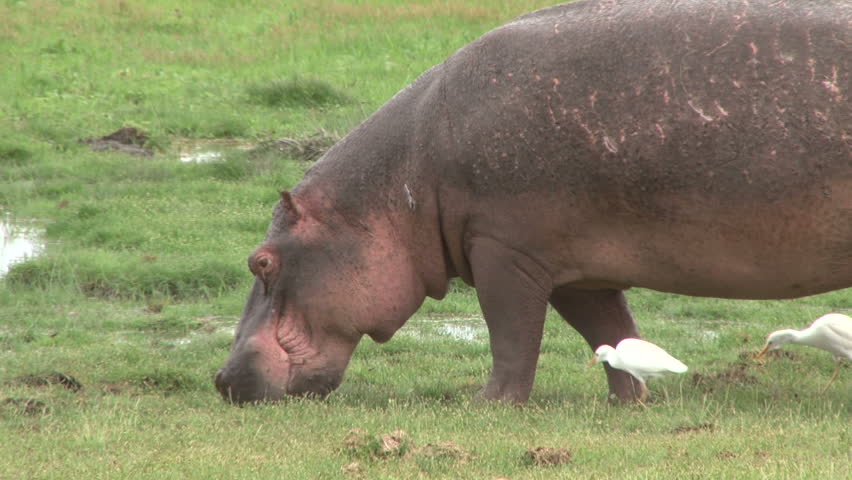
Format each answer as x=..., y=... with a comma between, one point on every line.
x=704, y=427
x=785, y=354
x=27, y=406
x=441, y=451
x=165, y=383
x=736, y=374
x=397, y=444
x=154, y=308
x=353, y=468
x=114, y=388
x=54, y=378
x=308, y=149
x=360, y=443
x=127, y=140
x=726, y=454
x=547, y=457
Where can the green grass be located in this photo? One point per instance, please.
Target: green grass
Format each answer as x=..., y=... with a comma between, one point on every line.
x=143, y=277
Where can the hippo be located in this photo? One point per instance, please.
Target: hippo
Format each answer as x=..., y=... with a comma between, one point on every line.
x=698, y=147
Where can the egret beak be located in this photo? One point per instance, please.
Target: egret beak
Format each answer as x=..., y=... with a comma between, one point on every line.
x=593, y=361
x=761, y=352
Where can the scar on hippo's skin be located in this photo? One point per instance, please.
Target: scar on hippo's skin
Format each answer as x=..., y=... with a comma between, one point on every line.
x=832, y=85
x=700, y=112
x=411, y=203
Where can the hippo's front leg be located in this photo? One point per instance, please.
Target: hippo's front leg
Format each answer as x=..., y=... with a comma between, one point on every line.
x=513, y=292
x=602, y=317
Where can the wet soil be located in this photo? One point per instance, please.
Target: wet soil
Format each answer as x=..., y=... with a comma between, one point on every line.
x=127, y=140
x=54, y=378
x=308, y=148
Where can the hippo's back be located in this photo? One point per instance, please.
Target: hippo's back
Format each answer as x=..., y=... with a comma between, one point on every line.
x=664, y=93
x=704, y=140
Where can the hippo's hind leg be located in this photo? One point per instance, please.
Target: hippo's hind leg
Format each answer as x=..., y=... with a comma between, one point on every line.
x=602, y=317
x=513, y=292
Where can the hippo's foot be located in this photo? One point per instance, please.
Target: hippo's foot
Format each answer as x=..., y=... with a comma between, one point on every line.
x=627, y=390
x=511, y=393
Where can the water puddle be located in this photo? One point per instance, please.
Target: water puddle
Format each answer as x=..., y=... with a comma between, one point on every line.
x=19, y=240
x=199, y=335
x=465, y=329
x=207, y=150
x=200, y=157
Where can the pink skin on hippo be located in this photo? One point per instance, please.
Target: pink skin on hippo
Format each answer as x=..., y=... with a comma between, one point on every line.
x=699, y=148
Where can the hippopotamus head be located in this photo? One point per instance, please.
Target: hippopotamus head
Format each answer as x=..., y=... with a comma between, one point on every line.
x=320, y=284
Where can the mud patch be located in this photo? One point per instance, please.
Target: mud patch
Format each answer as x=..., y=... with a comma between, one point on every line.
x=547, y=457
x=127, y=140
x=704, y=427
x=50, y=379
x=308, y=149
x=26, y=406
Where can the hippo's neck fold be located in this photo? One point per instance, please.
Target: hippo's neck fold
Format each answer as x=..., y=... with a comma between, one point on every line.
x=380, y=177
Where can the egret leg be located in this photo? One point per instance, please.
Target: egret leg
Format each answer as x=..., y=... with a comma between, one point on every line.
x=833, y=377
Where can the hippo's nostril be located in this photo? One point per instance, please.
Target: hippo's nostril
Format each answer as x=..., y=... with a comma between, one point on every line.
x=224, y=386
x=219, y=381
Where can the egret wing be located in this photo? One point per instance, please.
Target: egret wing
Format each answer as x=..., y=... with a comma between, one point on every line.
x=647, y=357
x=836, y=335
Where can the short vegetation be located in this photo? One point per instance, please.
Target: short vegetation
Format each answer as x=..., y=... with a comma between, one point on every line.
x=110, y=336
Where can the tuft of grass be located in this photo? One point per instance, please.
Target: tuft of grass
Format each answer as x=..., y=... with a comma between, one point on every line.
x=296, y=92
x=101, y=276
x=11, y=155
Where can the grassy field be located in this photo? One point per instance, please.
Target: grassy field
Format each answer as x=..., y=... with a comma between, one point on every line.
x=110, y=338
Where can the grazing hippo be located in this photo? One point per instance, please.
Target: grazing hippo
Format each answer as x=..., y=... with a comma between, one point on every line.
x=699, y=147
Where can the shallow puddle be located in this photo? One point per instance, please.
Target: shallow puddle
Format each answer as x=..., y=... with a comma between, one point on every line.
x=200, y=157
x=466, y=329
x=196, y=335
x=19, y=240
x=206, y=150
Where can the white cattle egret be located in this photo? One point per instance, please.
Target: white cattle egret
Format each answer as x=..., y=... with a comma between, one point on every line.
x=831, y=332
x=639, y=358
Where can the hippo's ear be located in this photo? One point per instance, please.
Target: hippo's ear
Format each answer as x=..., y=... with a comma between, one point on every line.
x=291, y=213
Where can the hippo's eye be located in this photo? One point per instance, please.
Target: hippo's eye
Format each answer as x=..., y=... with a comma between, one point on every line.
x=262, y=265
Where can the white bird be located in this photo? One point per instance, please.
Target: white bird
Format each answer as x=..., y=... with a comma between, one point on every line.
x=639, y=358
x=831, y=332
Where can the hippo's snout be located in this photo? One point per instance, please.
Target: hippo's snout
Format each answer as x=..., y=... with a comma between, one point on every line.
x=241, y=381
